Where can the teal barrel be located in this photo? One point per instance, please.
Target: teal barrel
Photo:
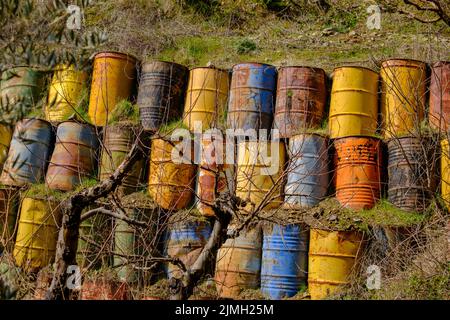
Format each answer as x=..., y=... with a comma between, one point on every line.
x=284, y=260
x=29, y=152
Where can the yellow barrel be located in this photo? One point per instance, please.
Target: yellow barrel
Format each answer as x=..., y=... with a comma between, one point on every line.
x=354, y=102
x=170, y=184
x=403, y=94
x=66, y=92
x=260, y=166
x=206, y=95
x=112, y=81
x=445, y=172
x=5, y=139
x=37, y=233
x=332, y=256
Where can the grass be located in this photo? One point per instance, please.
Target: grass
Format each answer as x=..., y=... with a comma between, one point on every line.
x=42, y=191
x=124, y=112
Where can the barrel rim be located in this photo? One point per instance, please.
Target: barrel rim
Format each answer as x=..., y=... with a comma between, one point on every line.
x=25, y=66
x=114, y=54
x=440, y=63
x=148, y=61
x=322, y=135
x=421, y=138
x=385, y=63
x=211, y=68
x=77, y=122
x=254, y=62
x=359, y=136
x=35, y=118
x=354, y=67
x=302, y=66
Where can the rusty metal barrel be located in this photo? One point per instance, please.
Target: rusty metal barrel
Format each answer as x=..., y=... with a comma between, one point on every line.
x=284, y=260
x=118, y=140
x=37, y=233
x=29, y=152
x=161, y=93
x=354, y=102
x=260, y=168
x=6, y=133
x=185, y=241
x=113, y=79
x=439, y=113
x=252, y=96
x=238, y=263
x=9, y=200
x=206, y=96
x=411, y=166
x=66, y=92
x=22, y=85
x=171, y=184
x=358, y=171
x=445, y=172
x=74, y=157
x=308, y=171
x=300, y=100
x=403, y=93
x=215, y=177
x=332, y=257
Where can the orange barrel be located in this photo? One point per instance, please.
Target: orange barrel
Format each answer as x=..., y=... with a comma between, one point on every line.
x=66, y=92
x=37, y=233
x=301, y=99
x=206, y=96
x=354, y=102
x=411, y=172
x=402, y=96
x=170, y=184
x=358, y=171
x=74, y=156
x=8, y=216
x=238, y=263
x=439, y=115
x=259, y=174
x=104, y=288
x=214, y=176
x=29, y=152
x=332, y=257
x=118, y=140
x=113, y=79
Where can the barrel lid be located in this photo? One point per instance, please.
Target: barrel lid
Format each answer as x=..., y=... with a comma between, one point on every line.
x=148, y=61
x=439, y=63
x=38, y=119
x=360, y=136
x=355, y=67
x=398, y=62
x=253, y=63
x=302, y=67
x=211, y=67
x=114, y=54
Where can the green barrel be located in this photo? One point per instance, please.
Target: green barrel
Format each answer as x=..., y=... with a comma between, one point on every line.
x=19, y=89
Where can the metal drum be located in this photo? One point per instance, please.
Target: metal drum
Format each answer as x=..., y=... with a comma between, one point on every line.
x=332, y=257
x=117, y=143
x=170, y=184
x=439, y=114
x=252, y=91
x=358, y=171
x=403, y=96
x=354, y=102
x=308, y=172
x=29, y=152
x=9, y=198
x=6, y=133
x=259, y=174
x=238, y=264
x=185, y=242
x=74, y=157
x=284, y=260
x=206, y=96
x=445, y=172
x=411, y=172
x=113, y=79
x=161, y=93
x=301, y=99
x=66, y=92
x=37, y=233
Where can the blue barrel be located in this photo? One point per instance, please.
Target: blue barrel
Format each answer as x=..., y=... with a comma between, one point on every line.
x=185, y=241
x=284, y=260
x=251, y=104
x=29, y=152
x=308, y=171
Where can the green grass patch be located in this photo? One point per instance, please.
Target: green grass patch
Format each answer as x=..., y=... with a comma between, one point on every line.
x=42, y=191
x=124, y=112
